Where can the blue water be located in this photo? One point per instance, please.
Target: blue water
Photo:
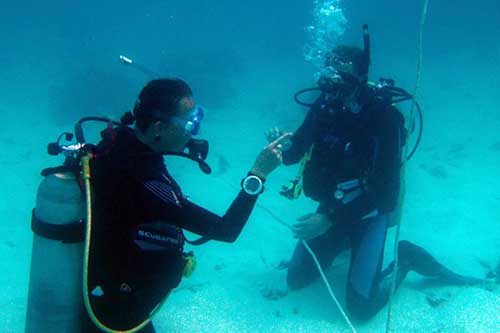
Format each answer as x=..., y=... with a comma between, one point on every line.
x=244, y=61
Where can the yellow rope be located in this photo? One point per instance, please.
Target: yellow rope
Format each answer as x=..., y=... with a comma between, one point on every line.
x=412, y=116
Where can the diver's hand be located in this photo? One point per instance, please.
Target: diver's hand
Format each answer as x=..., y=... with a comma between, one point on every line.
x=311, y=226
x=269, y=158
x=275, y=133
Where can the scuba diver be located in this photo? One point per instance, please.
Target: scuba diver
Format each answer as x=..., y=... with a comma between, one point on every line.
x=136, y=212
x=351, y=149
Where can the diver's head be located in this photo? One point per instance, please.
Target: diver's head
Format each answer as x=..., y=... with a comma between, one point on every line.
x=348, y=59
x=344, y=72
x=166, y=115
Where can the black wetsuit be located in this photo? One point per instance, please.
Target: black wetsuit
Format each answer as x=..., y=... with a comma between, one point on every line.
x=138, y=215
x=361, y=148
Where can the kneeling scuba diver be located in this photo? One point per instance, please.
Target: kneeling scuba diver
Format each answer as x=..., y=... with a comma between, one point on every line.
x=335, y=85
x=133, y=213
x=350, y=143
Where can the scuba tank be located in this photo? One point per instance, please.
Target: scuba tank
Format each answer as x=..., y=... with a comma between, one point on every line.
x=54, y=297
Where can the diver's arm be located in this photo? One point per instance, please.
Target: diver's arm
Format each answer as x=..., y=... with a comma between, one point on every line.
x=179, y=211
x=226, y=228
x=383, y=183
x=161, y=201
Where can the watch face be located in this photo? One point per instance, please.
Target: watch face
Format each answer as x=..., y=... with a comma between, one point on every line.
x=252, y=185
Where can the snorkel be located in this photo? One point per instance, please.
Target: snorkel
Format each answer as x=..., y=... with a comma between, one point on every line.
x=366, y=51
x=129, y=62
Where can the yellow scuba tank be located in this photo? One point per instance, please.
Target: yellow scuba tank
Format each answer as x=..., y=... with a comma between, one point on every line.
x=55, y=287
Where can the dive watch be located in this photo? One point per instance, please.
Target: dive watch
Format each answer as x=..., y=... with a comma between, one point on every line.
x=252, y=185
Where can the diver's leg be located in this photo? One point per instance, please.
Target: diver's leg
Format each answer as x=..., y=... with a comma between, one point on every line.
x=411, y=258
x=364, y=298
x=415, y=258
x=302, y=270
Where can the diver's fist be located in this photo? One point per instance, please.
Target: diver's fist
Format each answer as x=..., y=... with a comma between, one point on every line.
x=311, y=226
x=274, y=133
x=270, y=157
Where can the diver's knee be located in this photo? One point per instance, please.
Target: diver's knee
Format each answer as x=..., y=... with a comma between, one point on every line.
x=361, y=308
x=405, y=246
x=407, y=252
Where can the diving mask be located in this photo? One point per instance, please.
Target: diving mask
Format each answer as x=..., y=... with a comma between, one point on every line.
x=192, y=122
x=338, y=83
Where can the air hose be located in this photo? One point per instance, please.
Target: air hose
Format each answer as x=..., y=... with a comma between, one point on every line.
x=86, y=299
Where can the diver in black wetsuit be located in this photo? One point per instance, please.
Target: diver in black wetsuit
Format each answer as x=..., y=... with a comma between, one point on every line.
x=139, y=211
x=354, y=172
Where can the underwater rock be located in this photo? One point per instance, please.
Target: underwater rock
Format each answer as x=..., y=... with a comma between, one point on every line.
x=436, y=300
x=490, y=286
x=222, y=165
x=263, y=258
x=9, y=244
x=274, y=294
x=497, y=272
x=491, y=272
x=457, y=151
x=486, y=265
x=438, y=172
x=457, y=148
x=194, y=287
x=435, y=171
x=495, y=146
x=220, y=267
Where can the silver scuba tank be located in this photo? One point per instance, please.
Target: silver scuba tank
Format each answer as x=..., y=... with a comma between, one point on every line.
x=55, y=302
